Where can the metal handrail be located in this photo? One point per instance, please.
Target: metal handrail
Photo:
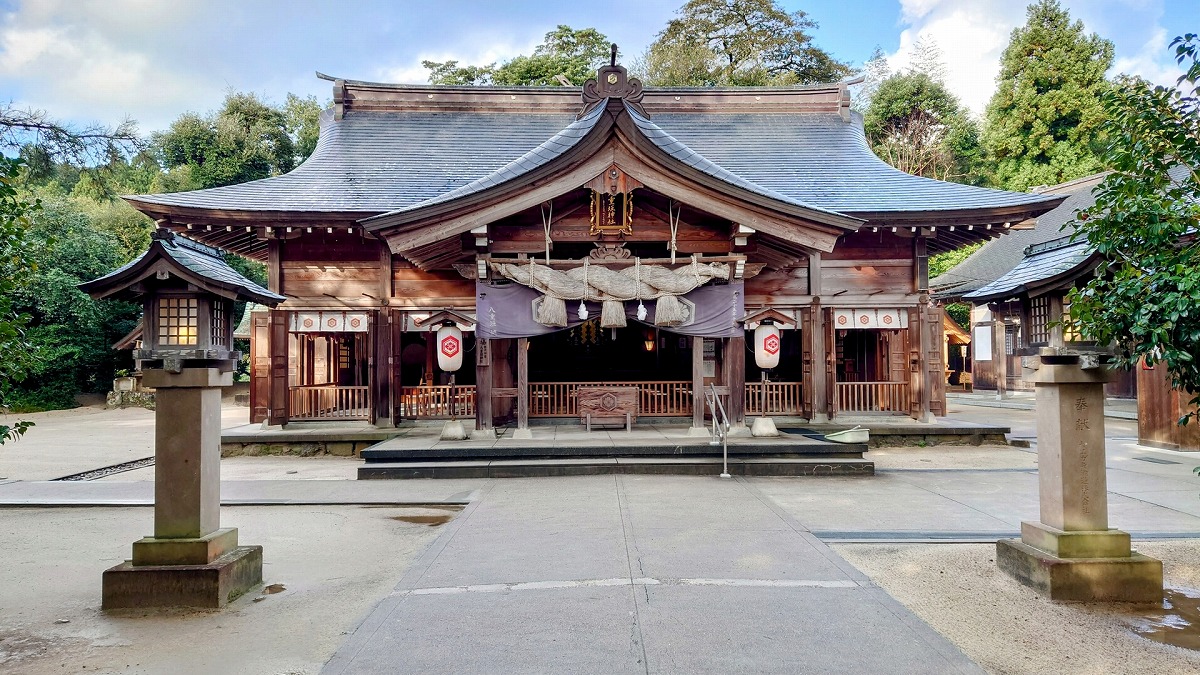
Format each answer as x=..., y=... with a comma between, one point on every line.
x=720, y=426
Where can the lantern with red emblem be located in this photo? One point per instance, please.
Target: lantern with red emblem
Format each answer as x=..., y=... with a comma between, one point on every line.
x=767, y=344
x=449, y=347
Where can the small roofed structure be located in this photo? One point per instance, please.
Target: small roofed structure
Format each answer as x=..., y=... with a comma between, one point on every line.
x=188, y=290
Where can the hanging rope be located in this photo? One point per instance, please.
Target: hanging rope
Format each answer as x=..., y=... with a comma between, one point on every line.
x=637, y=272
x=583, y=313
x=673, y=214
x=546, y=218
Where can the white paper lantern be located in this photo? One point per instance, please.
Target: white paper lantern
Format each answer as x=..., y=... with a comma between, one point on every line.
x=767, y=344
x=449, y=348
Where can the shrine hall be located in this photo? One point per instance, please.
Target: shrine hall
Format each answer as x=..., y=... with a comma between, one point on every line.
x=609, y=237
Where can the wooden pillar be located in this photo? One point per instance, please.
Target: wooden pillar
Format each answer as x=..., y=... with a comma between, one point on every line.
x=483, y=384
x=697, y=382
x=918, y=397
x=381, y=369
x=430, y=348
x=820, y=360
x=999, y=354
x=277, y=398
x=523, y=384
x=735, y=378
x=806, y=361
x=1054, y=319
x=274, y=266
x=395, y=363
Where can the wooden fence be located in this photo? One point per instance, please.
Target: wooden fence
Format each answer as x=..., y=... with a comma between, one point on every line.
x=782, y=398
x=655, y=399
x=329, y=402
x=868, y=397
x=435, y=401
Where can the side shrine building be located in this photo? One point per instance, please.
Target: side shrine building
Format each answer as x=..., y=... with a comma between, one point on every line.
x=615, y=236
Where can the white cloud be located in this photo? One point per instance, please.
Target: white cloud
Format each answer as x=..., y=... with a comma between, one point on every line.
x=973, y=35
x=490, y=52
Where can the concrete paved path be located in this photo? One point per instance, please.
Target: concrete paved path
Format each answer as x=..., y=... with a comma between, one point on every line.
x=637, y=574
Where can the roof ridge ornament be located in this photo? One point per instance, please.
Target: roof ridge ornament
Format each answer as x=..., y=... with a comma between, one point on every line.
x=612, y=82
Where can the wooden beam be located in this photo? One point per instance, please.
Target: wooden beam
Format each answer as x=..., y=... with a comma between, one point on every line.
x=697, y=383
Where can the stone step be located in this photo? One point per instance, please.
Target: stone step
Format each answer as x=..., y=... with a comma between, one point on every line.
x=583, y=466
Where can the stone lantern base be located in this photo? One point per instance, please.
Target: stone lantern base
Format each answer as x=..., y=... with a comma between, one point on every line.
x=1081, y=566
x=214, y=584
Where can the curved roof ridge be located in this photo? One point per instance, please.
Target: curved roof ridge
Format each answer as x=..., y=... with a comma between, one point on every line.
x=548, y=150
x=682, y=152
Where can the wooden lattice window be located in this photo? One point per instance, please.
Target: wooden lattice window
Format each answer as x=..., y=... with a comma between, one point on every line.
x=343, y=355
x=1039, y=319
x=177, y=321
x=219, y=322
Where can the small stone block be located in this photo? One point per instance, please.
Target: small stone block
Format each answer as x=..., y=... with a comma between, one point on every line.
x=213, y=585
x=1134, y=579
x=1082, y=544
x=184, y=551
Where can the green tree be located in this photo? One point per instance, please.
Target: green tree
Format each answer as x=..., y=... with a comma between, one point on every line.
x=1144, y=222
x=915, y=124
x=738, y=43
x=1043, y=124
x=15, y=268
x=302, y=117
x=246, y=140
x=565, y=54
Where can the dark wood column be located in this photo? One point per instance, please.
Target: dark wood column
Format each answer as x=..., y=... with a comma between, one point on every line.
x=522, y=384
x=483, y=384
x=381, y=369
x=820, y=363
x=735, y=378
x=697, y=382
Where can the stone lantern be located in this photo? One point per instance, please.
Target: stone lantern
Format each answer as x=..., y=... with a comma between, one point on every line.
x=187, y=291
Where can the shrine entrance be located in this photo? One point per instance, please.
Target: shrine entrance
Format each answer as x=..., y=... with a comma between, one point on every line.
x=328, y=373
x=657, y=362
x=871, y=373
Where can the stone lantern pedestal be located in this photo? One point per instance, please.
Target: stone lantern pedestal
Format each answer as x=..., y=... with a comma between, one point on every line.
x=190, y=561
x=1071, y=553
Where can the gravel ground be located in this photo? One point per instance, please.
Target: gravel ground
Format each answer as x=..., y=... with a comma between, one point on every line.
x=1007, y=628
x=333, y=563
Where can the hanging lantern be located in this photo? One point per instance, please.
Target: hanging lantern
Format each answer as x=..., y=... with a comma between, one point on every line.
x=449, y=347
x=767, y=344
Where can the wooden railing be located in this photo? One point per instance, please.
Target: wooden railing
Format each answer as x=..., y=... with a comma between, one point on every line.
x=888, y=397
x=434, y=401
x=655, y=399
x=782, y=398
x=329, y=402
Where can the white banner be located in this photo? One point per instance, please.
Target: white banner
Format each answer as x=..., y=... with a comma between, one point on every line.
x=982, y=343
x=886, y=319
x=329, y=322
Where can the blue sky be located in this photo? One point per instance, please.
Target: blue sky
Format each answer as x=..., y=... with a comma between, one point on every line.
x=102, y=60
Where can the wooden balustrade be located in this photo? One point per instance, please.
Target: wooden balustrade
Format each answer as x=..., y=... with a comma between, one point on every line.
x=329, y=402
x=782, y=398
x=655, y=399
x=434, y=401
x=887, y=397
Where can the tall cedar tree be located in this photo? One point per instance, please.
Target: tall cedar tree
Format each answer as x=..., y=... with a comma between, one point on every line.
x=1043, y=124
x=1145, y=223
x=565, y=53
x=738, y=43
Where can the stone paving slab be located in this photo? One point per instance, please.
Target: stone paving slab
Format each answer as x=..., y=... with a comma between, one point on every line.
x=573, y=594
x=243, y=493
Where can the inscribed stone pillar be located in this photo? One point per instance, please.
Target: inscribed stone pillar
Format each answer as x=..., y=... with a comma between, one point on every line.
x=1071, y=468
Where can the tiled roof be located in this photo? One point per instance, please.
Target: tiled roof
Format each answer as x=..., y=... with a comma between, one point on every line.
x=998, y=256
x=204, y=261
x=1043, y=262
x=373, y=162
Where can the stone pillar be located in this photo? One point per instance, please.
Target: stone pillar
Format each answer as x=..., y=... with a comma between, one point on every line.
x=190, y=561
x=1071, y=554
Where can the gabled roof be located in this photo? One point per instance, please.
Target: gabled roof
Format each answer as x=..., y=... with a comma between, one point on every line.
x=195, y=263
x=1043, y=265
x=997, y=257
x=398, y=148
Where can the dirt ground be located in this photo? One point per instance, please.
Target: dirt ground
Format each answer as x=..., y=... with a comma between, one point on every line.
x=333, y=564
x=1008, y=629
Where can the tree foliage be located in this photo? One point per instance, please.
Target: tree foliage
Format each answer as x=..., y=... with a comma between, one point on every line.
x=565, y=54
x=1042, y=125
x=738, y=43
x=245, y=140
x=915, y=124
x=81, y=145
x=1145, y=223
x=15, y=267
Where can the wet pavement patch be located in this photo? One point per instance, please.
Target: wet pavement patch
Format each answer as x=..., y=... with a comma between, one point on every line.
x=431, y=521
x=1176, y=622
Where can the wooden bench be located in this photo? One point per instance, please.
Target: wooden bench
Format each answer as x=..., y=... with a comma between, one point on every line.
x=600, y=404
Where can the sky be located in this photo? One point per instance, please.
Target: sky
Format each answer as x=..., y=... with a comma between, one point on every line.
x=101, y=61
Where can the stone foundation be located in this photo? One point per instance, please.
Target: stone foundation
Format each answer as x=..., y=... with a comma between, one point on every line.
x=1127, y=579
x=210, y=586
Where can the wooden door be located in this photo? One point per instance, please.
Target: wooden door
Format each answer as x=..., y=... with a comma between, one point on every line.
x=935, y=366
x=916, y=371
x=260, y=366
x=395, y=345
x=830, y=362
x=277, y=401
